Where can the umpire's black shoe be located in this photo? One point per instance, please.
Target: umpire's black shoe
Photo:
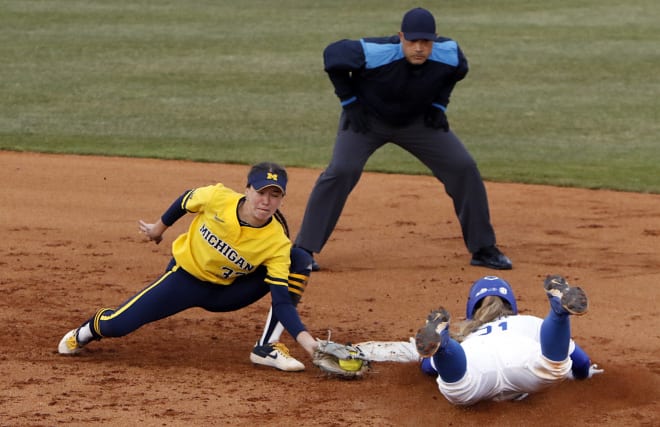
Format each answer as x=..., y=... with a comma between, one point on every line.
x=491, y=257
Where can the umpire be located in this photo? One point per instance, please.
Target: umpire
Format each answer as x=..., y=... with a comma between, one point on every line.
x=396, y=89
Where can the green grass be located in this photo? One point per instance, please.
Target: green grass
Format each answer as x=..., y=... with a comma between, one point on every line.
x=562, y=92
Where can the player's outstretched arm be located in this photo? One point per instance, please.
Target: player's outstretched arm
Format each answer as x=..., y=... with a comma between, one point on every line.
x=307, y=341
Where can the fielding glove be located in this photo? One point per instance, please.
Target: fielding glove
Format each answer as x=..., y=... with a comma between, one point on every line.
x=343, y=361
x=345, y=369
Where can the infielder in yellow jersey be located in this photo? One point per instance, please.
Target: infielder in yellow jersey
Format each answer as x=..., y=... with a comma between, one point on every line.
x=235, y=251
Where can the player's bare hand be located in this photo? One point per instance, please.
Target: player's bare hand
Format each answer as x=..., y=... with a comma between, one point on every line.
x=153, y=231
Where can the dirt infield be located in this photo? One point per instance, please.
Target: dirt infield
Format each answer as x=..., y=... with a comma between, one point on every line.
x=70, y=245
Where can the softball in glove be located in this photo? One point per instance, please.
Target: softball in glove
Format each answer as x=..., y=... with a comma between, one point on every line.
x=342, y=361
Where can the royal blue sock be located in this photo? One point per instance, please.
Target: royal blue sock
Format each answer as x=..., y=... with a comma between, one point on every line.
x=450, y=360
x=555, y=336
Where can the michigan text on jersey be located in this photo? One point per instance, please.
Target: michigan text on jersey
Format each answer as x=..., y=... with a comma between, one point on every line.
x=225, y=249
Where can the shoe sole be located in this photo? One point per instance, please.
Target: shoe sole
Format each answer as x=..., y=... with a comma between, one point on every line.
x=428, y=338
x=575, y=301
x=573, y=298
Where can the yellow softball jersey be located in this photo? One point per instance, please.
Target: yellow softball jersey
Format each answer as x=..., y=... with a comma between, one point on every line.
x=218, y=249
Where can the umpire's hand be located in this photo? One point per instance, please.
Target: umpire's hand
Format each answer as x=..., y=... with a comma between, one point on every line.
x=356, y=117
x=435, y=118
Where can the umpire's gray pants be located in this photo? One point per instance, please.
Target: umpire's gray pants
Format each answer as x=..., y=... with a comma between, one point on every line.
x=442, y=152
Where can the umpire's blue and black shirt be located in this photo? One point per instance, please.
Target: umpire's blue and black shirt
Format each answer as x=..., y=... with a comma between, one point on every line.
x=376, y=71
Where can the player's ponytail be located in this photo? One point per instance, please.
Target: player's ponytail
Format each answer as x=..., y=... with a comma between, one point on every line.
x=491, y=308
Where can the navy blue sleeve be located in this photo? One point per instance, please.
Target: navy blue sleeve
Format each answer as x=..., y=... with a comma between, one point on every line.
x=175, y=211
x=343, y=55
x=463, y=67
x=285, y=311
x=581, y=363
x=340, y=59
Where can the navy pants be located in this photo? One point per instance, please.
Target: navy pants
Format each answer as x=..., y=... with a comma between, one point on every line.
x=442, y=152
x=176, y=290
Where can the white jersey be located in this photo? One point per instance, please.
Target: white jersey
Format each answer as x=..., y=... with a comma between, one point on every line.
x=504, y=362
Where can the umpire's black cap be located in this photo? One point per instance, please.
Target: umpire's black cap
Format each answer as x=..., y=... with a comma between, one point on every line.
x=418, y=24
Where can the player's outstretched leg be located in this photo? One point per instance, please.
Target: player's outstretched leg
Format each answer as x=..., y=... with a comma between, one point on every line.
x=441, y=354
x=429, y=337
x=565, y=299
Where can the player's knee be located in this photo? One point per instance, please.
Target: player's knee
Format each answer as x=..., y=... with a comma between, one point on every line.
x=466, y=167
x=301, y=261
x=344, y=173
x=549, y=370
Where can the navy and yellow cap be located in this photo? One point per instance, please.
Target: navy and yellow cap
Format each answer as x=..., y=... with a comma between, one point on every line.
x=267, y=174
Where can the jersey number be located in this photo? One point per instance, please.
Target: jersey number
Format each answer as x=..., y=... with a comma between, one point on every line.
x=228, y=272
x=489, y=328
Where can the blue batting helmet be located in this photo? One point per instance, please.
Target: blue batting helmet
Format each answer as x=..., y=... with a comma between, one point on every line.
x=489, y=285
